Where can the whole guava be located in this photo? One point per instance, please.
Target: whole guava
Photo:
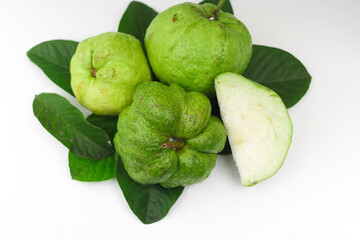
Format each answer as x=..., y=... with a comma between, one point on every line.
x=189, y=45
x=105, y=71
x=168, y=136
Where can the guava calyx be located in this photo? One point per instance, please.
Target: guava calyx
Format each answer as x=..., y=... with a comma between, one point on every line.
x=174, y=143
x=93, y=72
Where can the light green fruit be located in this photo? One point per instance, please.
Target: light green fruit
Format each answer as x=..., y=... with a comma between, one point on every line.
x=185, y=45
x=168, y=136
x=105, y=71
x=258, y=126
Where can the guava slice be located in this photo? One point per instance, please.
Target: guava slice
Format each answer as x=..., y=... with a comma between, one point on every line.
x=258, y=126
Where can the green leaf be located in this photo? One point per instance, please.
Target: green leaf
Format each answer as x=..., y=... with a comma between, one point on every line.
x=150, y=203
x=67, y=124
x=106, y=123
x=226, y=7
x=136, y=20
x=53, y=57
x=88, y=170
x=279, y=71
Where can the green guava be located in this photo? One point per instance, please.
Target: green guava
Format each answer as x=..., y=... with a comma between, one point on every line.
x=105, y=71
x=189, y=45
x=168, y=136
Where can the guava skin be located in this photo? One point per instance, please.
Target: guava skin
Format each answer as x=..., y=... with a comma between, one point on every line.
x=186, y=47
x=168, y=136
x=105, y=71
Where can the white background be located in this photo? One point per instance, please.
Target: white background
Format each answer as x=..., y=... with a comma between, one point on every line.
x=315, y=195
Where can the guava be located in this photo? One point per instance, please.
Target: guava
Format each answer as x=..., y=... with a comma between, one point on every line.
x=190, y=44
x=258, y=126
x=105, y=71
x=168, y=136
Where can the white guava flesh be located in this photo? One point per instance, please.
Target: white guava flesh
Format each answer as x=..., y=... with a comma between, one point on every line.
x=258, y=126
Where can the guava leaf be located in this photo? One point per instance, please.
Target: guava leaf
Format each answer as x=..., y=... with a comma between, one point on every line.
x=136, y=19
x=53, y=57
x=226, y=7
x=67, y=124
x=87, y=170
x=106, y=123
x=150, y=203
x=279, y=71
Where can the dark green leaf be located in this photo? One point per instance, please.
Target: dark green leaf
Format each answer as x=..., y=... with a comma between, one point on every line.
x=136, y=19
x=226, y=7
x=87, y=170
x=53, y=57
x=150, y=203
x=67, y=124
x=106, y=123
x=279, y=71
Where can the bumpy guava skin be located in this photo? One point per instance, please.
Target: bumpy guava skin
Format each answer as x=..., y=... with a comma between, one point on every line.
x=168, y=136
x=185, y=45
x=105, y=71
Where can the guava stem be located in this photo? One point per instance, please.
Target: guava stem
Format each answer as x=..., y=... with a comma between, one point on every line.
x=218, y=7
x=174, y=145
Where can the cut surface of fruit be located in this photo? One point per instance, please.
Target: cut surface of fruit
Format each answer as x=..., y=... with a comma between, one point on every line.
x=258, y=126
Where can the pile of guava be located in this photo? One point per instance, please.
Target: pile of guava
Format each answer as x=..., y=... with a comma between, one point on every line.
x=161, y=91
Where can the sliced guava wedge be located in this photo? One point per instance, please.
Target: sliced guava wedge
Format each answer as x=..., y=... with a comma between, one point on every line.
x=258, y=126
